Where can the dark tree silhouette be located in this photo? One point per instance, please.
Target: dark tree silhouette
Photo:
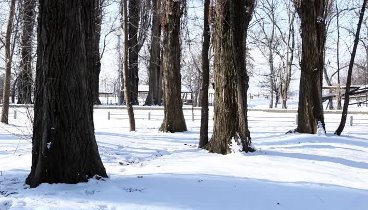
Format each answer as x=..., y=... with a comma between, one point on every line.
x=127, y=74
x=203, y=138
x=350, y=70
x=64, y=148
x=96, y=65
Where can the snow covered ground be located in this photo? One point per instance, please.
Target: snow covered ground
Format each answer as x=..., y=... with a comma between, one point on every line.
x=152, y=170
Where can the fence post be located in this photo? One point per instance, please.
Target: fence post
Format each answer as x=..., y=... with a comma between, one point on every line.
x=351, y=120
x=149, y=115
x=15, y=114
x=192, y=114
x=296, y=119
x=108, y=115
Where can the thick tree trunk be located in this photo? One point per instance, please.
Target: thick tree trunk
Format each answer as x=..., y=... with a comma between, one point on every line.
x=230, y=123
x=8, y=63
x=351, y=64
x=25, y=80
x=173, y=111
x=203, y=138
x=133, y=18
x=92, y=39
x=127, y=75
x=64, y=148
x=310, y=109
x=155, y=76
x=97, y=64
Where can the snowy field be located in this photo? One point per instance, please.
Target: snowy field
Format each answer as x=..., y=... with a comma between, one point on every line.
x=152, y=170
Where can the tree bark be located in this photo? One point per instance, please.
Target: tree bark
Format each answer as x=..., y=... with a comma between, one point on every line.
x=310, y=109
x=8, y=63
x=25, y=80
x=351, y=64
x=133, y=18
x=127, y=75
x=92, y=40
x=155, y=75
x=64, y=148
x=173, y=112
x=230, y=120
x=97, y=20
x=203, y=138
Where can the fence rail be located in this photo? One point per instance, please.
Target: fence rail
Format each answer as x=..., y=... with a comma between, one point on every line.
x=355, y=117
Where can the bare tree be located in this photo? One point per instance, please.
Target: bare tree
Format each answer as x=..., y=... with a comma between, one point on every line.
x=269, y=44
x=191, y=76
x=290, y=46
x=348, y=82
x=231, y=79
x=312, y=14
x=138, y=22
x=173, y=112
x=96, y=65
x=8, y=63
x=127, y=75
x=64, y=148
x=25, y=80
x=203, y=138
x=338, y=56
x=155, y=71
x=275, y=39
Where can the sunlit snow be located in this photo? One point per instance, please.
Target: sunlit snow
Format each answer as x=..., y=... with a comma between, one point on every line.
x=152, y=170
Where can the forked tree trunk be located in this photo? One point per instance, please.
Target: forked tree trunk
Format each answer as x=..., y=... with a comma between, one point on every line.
x=313, y=27
x=155, y=76
x=127, y=75
x=231, y=79
x=173, y=111
x=64, y=148
x=351, y=64
x=25, y=80
x=203, y=138
x=8, y=63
